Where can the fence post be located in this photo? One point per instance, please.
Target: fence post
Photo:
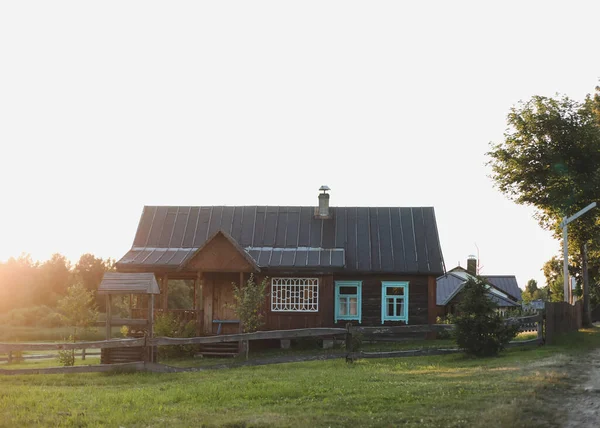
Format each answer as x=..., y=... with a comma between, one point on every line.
x=83, y=354
x=9, y=357
x=349, y=350
x=540, y=329
x=550, y=310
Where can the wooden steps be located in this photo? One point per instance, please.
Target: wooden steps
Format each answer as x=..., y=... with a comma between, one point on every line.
x=228, y=349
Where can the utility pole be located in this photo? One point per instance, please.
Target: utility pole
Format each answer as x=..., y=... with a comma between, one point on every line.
x=564, y=225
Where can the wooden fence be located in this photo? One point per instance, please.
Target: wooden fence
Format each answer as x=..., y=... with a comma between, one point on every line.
x=561, y=317
x=346, y=333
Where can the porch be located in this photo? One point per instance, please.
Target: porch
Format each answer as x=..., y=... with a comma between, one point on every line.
x=205, y=299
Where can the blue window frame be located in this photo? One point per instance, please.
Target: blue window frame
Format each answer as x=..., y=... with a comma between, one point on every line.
x=348, y=295
x=394, y=301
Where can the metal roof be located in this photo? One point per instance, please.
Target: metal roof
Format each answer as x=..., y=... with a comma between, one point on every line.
x=447, y=286
x=297, y=257
x=128, y=283
x=501, y=302
x=452, y=283
x=506, y=283
x=360, y=239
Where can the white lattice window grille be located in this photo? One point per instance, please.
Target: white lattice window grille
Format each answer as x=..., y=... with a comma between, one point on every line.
x=295, y=294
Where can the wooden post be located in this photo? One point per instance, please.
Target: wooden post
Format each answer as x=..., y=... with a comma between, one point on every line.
x=83, y=354
x=108, y=317
x=540, y=329
x=550, y=322
x=349, y=350
x=198, y=303
x=10, y=359
x=431, y=305
x=241, y=279
x=207, y=302
x=195, y=295
x=151, y=327
x=165, y=291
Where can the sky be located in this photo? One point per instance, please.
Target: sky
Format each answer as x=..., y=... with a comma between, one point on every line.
x=109, y=106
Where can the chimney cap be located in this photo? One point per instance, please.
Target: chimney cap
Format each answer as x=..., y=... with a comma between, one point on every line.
x=471, y=257
x=324, y=188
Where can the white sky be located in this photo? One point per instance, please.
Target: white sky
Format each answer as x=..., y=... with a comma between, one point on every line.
x=108, y=106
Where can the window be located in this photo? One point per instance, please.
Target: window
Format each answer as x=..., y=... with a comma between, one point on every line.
x=348, y=300
x=295, y=294
x=394, y=301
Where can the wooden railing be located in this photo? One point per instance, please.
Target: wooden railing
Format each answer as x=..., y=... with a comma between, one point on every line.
x=347, y=333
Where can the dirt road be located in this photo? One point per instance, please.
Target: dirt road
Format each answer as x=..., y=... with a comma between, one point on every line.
x=582, y=403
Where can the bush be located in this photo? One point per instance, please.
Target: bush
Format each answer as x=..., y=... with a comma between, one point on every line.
x=66, y=358
x=480, y=331
x=249, y=303
x=169, y=326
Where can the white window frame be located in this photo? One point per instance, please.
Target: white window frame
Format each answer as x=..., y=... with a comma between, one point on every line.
x=294, y=294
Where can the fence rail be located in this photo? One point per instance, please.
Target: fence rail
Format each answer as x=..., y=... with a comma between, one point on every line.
x=347, y=333
x=102, y=344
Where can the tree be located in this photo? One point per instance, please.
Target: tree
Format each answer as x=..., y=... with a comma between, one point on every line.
x=55, y=279
x=480, y=331
x=77, y=308
x=531, y=286
x=532, y=292
x=549, y=159
x=90, y=269
x=249, y=303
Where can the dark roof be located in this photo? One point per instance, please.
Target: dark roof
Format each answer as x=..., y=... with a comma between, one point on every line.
x=128, y=283
x=506, y=283
x=403, y=240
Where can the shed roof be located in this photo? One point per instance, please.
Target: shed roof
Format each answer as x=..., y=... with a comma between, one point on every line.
x=128, y=283
x=359, y=239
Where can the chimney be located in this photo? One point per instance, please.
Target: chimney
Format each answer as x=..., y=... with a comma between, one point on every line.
x=323, y=210
x=472, y=265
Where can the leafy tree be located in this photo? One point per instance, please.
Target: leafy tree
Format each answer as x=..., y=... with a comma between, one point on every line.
x=531, y=286
x=249, y=303
x=55, y=278
x=181, y=294
x=78, y=309
x=480, y=331
x=90, y=270
x=549, y=159
x=557, y=290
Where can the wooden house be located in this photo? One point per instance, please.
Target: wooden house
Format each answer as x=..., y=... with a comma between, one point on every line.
x=326, y=266
x=503, y=290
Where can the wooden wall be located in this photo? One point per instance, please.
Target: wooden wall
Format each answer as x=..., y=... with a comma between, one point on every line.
x=421, y=308
x=293, y=320
x=419, y=290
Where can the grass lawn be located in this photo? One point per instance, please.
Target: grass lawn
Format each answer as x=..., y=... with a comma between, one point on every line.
x=444, y=391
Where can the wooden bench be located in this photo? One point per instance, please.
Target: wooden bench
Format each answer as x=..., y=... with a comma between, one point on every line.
x=221, y=322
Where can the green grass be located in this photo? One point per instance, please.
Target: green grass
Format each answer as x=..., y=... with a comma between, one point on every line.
x=439, y=391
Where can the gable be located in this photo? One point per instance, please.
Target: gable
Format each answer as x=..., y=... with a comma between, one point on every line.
x=220, y=254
